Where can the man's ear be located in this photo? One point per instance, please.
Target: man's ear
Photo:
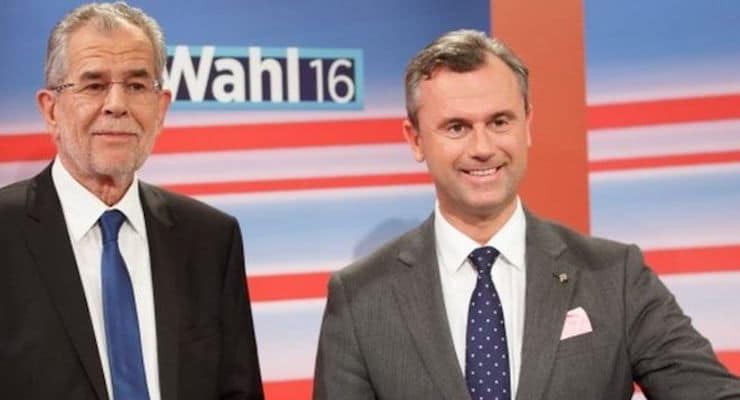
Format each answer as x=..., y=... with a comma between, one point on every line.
x=528, y=125
x=165, y=98
x=413, y=137
x=46, y=102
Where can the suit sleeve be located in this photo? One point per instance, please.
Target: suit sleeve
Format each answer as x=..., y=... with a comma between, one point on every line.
x=239, y=367
x=341, y=373
x=669, y=358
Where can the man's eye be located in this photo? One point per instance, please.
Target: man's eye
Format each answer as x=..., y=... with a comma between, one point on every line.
x=456, y=129
x=135, y=87
x=501, y=122
x=95, y=87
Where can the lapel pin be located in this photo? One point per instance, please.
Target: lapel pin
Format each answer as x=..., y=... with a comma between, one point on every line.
x=562, y=277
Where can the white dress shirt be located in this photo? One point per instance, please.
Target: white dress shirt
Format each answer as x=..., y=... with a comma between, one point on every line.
x=459, y=277
x=81, y=211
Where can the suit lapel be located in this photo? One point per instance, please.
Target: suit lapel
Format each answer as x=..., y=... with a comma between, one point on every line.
x=48, y=240
x=419, y=294
x=166, y=254
x=547, y=300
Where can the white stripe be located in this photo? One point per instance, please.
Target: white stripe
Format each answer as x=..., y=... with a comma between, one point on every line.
x=209, y=119
x=662, y=80
x=259, y=270
x=247, y=165
x=348, y=194
x=280, y=163
x=287, y=335
x=708, y=298
x=188, y=118
x=32, y=125
x=686, y=138
x=18, y=170
x=673, y=172
x=630, y=91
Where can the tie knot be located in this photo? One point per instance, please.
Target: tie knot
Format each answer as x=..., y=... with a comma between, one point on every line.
x=110, y=224
x=483, y=258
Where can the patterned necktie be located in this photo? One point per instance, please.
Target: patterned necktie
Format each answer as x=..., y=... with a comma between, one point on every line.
x=486, y=354
x=121, y=323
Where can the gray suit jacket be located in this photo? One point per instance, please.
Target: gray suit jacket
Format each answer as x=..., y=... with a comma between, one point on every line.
x=385, y=333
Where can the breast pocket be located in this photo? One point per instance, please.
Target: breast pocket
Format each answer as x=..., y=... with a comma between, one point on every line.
x=576, y=345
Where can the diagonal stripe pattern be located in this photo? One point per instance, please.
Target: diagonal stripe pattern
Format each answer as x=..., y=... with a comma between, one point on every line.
x=128, y=377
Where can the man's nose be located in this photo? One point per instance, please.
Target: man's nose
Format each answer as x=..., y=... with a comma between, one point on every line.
x=482, y=143
x=115, y=102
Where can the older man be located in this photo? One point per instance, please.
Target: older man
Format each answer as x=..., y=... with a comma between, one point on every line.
x=486, y=301
x=111, y=288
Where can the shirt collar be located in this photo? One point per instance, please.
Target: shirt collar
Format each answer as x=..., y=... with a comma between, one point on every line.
x=82, y=209
x=453, y=246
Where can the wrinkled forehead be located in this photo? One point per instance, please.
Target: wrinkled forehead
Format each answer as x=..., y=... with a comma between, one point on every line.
x=102, y=50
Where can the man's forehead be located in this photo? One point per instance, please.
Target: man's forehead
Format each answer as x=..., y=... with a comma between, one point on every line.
x=489, y=61
x=92, y=73
x=489, y=89
x=114, y=30
x=98, y=48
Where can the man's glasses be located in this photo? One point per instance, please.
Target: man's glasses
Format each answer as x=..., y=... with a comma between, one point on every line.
x=136, y=89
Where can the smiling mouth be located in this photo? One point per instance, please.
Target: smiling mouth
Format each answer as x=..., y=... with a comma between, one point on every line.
x=482, y=171
x=114, y=134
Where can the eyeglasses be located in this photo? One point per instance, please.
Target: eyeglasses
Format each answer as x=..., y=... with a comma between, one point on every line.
x=137, y=89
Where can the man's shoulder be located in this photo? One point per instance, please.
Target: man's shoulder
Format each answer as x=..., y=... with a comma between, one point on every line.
x=184, y=208
x=13, y=197
x=386, y=261
x=579, y=248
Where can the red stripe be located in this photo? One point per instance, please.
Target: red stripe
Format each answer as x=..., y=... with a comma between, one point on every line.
x=34, y=146
x=694, y=260
x=664, y=161
x=26, y=147
x=296, y=286
x=301, y=389
x=37, y=146
x=334, y=182
x=668, y=111
x=301, y=184
x=288, y=286
x=731, y=360
x=284, y=135
x=288, y=390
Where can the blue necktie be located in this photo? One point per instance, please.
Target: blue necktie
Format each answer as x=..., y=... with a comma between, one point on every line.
x=121, y=323
x=486, y=354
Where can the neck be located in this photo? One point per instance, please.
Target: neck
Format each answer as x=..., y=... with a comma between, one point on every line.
x=479, y=227
x=108, y=188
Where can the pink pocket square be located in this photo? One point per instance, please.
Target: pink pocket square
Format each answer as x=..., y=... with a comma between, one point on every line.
x=576, y=323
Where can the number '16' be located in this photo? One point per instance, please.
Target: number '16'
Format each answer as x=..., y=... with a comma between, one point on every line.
x=334, y=80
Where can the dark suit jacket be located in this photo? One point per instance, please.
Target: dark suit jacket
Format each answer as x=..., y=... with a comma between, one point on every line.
x=385, y=333
x=205, y=338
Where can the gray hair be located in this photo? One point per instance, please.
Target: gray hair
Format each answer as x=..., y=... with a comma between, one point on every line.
x=105, y=16
x=461, y=51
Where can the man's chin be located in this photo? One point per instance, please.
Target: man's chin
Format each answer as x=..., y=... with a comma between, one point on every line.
x=115, y=169
x=489, y=208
